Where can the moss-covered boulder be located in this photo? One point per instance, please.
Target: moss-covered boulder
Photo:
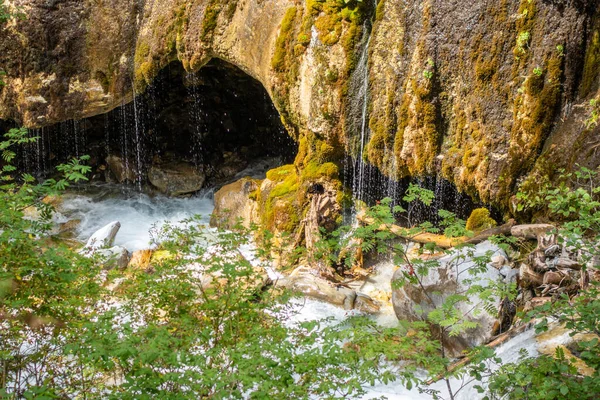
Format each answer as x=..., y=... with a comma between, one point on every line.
x=480, y=220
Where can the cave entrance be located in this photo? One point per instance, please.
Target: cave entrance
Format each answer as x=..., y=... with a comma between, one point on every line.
x=217, y=122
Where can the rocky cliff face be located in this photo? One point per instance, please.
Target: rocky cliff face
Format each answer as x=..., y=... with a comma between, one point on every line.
x=489, y=94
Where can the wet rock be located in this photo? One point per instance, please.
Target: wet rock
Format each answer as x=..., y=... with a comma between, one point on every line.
x=176, y=179
x=510, y=274
x=304, y=280
x=366, y=304
x=103, y=237
x=69, y=226
x=411, y=301
x=120, y=170
x=558, y=336
x=232, y=165
x=235, y=202
x=499, y=261
x=140, y=259
x=114, y=257
x=530, y=231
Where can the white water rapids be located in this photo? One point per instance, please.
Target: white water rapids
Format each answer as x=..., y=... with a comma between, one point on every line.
x=138, y=212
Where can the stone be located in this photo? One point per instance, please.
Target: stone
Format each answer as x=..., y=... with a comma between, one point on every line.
x=558, y=336
x=304, y=280
x=140, y=259
x=69, y=226
x=499, y=261
x=176, y=179
x=531, y=231
x=234, y=202
x=366, y=304
x=114, y=257
x=412, y=300
x=103, y=237
x=510, y=274
x=120, y=170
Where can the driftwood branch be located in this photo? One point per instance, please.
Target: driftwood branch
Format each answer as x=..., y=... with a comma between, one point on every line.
x=441, y=241
x=499, y=230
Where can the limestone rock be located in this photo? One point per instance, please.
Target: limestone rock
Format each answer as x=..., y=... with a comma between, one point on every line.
x=175, y=179
x=366, y=304
x=410, y=300
x=114, y=257
x=234, y=202
x=120, y=170
x=71, y=60
x=103, y=237
x=140, y=259
x=69, y=226
x=304, y=280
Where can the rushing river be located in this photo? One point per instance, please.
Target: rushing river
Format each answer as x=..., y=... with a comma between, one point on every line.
x=139, y=212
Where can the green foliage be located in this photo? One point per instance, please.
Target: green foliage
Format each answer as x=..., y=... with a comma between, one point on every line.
x=42, y=288
x=522, y=43
x=594, y=117
x=573, y=200
x=556, y=377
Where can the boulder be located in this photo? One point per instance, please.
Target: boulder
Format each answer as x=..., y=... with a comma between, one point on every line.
x=531, y=231
x=450, y=277
x=103, y=237
x=114, y=257
x=234, y=202
x=120, y=169
x=304, y=280
x=366, y=304
x=176, y=179
x=69, y=226
x=140, y=259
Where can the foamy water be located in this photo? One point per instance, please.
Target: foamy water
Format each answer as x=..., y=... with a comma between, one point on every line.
x=137, y=212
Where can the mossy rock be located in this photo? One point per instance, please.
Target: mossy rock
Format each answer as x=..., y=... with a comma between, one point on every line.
x=480, y=220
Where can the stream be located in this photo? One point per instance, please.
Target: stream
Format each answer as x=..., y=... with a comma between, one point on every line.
x=138, y=213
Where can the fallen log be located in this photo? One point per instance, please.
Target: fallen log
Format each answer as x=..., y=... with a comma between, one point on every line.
x=441, y=241
x=485, y=235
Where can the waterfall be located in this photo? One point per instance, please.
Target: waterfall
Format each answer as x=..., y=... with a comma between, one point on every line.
x=197, y=116
x=138, y=144
x=356, y=165
x=362, y=72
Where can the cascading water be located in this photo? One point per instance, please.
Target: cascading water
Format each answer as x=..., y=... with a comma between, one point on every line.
x=138, y=142
x=358, y=106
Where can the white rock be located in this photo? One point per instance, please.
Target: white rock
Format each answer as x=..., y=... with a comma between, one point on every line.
x=411, y=301
x=102, y=238
x=115, y=257
x=305, y=281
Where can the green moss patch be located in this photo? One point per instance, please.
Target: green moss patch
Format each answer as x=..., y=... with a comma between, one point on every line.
x=480, y=220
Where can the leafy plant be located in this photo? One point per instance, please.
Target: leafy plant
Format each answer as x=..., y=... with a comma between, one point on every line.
x=43, y=285
x=574, y=201
x=594, y=117
x=523, y=42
